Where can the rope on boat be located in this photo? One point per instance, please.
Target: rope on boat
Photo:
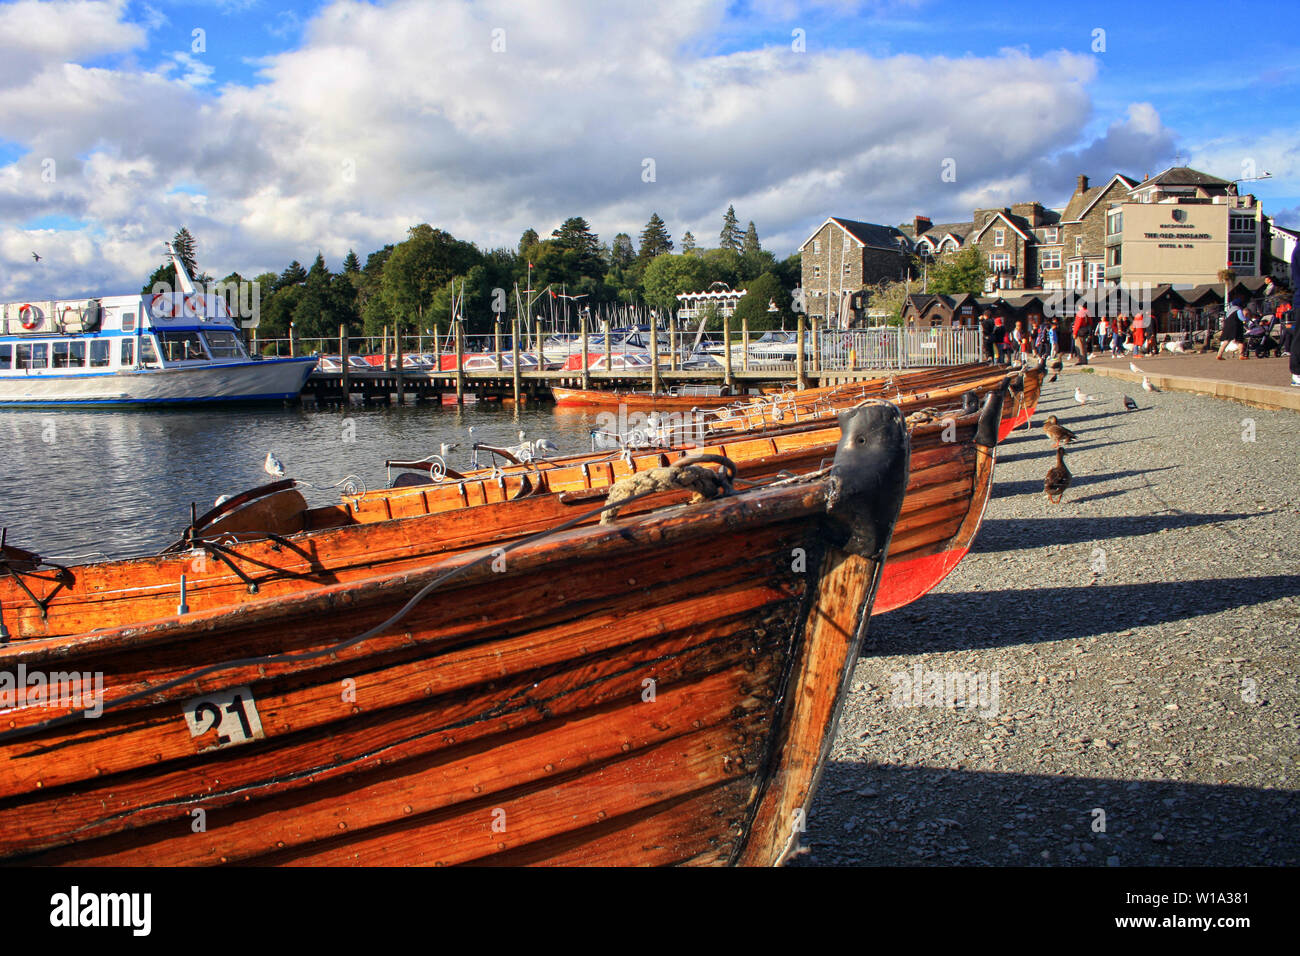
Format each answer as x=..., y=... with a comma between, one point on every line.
x=289, y=658
x=685, y=474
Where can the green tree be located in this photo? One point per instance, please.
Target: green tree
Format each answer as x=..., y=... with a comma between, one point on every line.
x=730, y=235
x=186, y=249
x=955, y=273
x=756, y=303
x=315, y=314
x=667, y=275
x=722, y=265
x=527, y=241
x=885, y=301
x=750, y=245
x=294, y=274
x=351, y=263
x=688, y=242
x=622, y=254
x=419, y=267
x=654, y=239
x=575, y=236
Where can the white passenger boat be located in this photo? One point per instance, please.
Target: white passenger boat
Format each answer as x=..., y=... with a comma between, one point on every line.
x=174, y=347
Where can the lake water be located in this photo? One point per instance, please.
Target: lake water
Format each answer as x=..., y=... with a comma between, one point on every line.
x=83, y=484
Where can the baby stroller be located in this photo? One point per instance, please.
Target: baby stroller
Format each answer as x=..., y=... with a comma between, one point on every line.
x=1260, y=341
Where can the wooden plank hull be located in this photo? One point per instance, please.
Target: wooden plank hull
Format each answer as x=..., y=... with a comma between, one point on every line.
x=660, y=690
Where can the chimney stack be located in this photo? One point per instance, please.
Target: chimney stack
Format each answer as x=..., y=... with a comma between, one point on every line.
x=921, y=224
x=1083, y=184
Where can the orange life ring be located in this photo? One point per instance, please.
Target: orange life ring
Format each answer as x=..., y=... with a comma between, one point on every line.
x=153, y=307
x=32, y=321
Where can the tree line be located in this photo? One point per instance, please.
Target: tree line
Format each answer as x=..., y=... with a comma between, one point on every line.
x=413, y=282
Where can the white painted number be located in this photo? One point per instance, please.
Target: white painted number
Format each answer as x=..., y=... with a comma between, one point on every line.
x=223, y=719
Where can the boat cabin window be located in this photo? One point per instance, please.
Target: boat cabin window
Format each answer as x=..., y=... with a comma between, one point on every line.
x=128, y=353
x=69, y=355
x=128, y=321
x=224, y=345
x=181, y=347
x=148, y=354
x=99, y=353
x=6, y=357
x=35, y=355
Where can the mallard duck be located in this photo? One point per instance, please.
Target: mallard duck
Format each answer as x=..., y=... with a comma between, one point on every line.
x=1057, y=432
x=1058, y=478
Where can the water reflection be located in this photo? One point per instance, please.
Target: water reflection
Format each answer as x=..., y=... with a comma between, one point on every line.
x=121, y=482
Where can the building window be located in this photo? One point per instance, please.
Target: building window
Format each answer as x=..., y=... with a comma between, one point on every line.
x=1052, y=235
x=1114, y=222
x=1049, y=259
x=817, y=272
x=1241, y=257
x=999, y=237
x=1078, y=245
x=1073, y=275
x=847, y=269
x=1241, y=223
x=1096, y=273
x=999, y=261
x=817, y=246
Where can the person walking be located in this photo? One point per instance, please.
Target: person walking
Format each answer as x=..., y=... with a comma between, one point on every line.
x=1103, y=334
x=1000, y=339
x=1082, y=327
x=986, y=329
x=1233, y=336
x=1119, y=336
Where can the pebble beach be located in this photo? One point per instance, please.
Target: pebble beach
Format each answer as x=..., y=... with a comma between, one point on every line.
x=1130, y=658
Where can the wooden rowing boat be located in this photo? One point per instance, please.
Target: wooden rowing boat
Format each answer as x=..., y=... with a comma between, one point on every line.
x=663, y=689
x=268, y=543
x=597, y=398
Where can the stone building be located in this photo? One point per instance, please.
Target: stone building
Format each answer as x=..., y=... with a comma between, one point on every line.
x=842, y=258
x=1083, y=233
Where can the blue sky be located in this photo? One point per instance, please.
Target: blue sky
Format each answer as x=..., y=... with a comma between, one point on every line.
x=300, y=127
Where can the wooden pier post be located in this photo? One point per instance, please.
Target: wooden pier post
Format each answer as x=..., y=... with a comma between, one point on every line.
x=609, y=362
x=343, y=359
x=654, y=360
x=726, y=351
x=383, y=348
x=514, y=354
x=799, y=379
x=460, y=364
x=586, y=370
x=397, y=361
x=672, y=343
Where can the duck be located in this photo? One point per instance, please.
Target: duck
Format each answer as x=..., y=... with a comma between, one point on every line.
x=1129, y=404
x=1058, y=478
x=1057, y=432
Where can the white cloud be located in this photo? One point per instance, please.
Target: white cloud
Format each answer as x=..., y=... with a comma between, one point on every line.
x=386, y=116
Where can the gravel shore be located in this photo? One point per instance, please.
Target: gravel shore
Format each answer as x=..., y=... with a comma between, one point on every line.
x=1133, y=695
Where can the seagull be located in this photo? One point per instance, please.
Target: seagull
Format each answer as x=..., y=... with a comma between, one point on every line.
x=273, y=465
x=446, y=447
x=1147, y=386
x=1081, y=398
x=36, y=257
x=1133, y=367
x=1130, y=404
x=1058, y=479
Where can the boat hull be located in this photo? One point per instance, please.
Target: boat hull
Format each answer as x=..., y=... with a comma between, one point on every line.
x=265, y=380
x=594, y=398
x=661, y=691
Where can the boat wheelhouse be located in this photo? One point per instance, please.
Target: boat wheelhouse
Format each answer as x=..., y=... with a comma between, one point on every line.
x=181, y=346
